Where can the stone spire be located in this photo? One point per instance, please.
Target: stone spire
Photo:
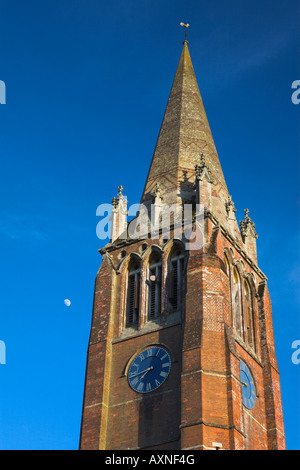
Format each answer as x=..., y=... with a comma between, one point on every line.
x=184, y=141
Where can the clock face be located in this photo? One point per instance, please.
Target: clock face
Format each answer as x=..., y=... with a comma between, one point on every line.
x=149, y=369
x=248, y=387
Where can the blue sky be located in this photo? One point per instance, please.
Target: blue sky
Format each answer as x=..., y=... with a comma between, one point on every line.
x=87, y=83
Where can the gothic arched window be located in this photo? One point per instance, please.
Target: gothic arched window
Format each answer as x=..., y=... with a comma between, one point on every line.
x=154, y=286
x=133, y=294
x=249, y=314
x=175, y=277
x=236, y=302
x=226, y=262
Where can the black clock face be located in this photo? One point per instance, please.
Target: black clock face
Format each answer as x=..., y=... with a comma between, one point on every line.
x=149, y=369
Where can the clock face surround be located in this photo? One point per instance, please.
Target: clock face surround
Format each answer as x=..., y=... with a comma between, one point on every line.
x=248, y=387
x=149, y=369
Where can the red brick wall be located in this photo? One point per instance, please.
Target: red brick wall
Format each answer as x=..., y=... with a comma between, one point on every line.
x=92, y=414
x=201, y=401
x=145, y=420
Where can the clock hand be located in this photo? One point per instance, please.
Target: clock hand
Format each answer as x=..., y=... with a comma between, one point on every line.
x=146, y=371
x=142, y=372
x=244, y=383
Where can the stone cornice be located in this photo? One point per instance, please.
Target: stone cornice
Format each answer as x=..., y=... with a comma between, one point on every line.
x=207, y=214
x=236, y=245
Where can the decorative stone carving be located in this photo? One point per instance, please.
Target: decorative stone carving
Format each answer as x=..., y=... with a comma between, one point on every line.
x=115, y=202
x=248, y=226
x=203, y=170
x=156, y=208
x=119, y=215
x=203, y=185
x=158, y=192
x=230, y=208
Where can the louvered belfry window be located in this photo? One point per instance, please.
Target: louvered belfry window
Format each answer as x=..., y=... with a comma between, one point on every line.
x=236, y=303
x=175, y=280
x=154, y=287
x=133, y=294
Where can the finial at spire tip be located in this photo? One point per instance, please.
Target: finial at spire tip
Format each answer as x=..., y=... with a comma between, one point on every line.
x=185, y=31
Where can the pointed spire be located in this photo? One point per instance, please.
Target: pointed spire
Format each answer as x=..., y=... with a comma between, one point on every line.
x=184, y=136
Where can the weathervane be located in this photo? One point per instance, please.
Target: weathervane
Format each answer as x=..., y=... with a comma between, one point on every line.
x=185, y=28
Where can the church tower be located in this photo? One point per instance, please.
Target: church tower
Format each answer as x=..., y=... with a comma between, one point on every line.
x=181, y=352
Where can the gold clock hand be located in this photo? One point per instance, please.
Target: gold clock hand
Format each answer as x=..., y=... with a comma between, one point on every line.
x=146, y=371
x=141, y=372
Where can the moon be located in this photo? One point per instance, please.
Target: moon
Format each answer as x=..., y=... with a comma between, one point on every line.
x=67, y=302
